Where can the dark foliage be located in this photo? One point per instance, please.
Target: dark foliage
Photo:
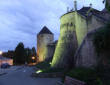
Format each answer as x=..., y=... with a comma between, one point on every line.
x=24, y=55
x=19, y=54
x=98, y=76
x=107, y=5
x=43, y=65
x=102, y=39
x=29, y=53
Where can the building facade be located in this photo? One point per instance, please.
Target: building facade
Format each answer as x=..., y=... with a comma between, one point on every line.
x=5, y=60
x=74, y=27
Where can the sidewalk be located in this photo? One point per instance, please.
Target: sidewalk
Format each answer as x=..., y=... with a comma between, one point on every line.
x=11, y=69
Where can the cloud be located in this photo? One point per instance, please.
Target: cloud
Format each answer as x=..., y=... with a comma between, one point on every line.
x=21, y=20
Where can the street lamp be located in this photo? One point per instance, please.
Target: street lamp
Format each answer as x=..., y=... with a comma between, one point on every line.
x=1, y=52
x=33, y=58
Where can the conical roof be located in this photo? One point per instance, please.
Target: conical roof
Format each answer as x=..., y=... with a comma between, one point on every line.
x=45, y=30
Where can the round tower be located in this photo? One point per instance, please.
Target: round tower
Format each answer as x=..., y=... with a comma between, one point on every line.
x=67, y=43
x=44, y=37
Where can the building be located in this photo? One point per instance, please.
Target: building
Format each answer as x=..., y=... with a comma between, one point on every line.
x=74, y=27
x=44, y=37
x=5, y=60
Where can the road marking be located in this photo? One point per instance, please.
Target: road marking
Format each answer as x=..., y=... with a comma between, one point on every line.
x=24, y=71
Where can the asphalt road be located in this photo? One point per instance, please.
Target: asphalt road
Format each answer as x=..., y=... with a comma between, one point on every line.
x=22, y=77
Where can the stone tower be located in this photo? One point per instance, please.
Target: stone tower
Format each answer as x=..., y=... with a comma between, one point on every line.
x=67, y=43
x=44, y=37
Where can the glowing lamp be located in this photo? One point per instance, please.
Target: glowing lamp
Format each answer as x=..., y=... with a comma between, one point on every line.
x=1, y=52
x=33, y=58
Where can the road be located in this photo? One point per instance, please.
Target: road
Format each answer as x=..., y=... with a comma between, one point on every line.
x=22, y=77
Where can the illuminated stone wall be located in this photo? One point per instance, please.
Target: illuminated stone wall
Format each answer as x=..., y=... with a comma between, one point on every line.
x=85, y=25
x=81, y=27
x=42, y=42
x=67, y=43
x=73, y=30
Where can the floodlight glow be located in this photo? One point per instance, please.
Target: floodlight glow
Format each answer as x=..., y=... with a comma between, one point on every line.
x=50, y=63
x=39, y=71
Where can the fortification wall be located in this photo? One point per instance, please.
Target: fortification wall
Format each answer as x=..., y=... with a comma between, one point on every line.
x=42, y=42
x=93, y=23
x=85, y=25
x=67, y=43
x=73, y=29
x=86, y=55
x=50, y=49
x=81, y=27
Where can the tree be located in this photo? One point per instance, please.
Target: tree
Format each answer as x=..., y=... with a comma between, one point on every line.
x=33, y=51
x=28, y=54
x=19, y=54
x=107, y=4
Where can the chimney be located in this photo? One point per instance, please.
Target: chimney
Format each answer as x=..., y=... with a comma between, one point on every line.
x=75, y=5
x=67, y=9
x=90, y=5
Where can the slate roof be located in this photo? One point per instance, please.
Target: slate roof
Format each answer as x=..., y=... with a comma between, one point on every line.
x=88, y=11
x=45, y=30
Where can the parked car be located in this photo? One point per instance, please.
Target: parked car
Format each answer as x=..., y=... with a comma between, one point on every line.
x=5, y=65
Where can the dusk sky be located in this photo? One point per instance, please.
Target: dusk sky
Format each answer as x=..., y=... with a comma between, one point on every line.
x=21, y=20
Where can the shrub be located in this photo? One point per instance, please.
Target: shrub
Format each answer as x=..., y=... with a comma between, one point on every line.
x=87, y=75
x=43, y=65
x=102, y=39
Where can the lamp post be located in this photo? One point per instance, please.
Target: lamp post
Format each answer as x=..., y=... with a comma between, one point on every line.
x=33, y=58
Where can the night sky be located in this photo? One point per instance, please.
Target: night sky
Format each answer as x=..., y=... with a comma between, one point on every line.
x=21, y=20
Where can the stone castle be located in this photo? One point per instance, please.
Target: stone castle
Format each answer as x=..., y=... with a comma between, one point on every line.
x=74, y=28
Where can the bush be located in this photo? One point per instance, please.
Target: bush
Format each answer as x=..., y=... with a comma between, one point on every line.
x=87, y=75
x=43, y=65
x=97, y=76
x=107, y=6
x=102, y=39
x=51, y=70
